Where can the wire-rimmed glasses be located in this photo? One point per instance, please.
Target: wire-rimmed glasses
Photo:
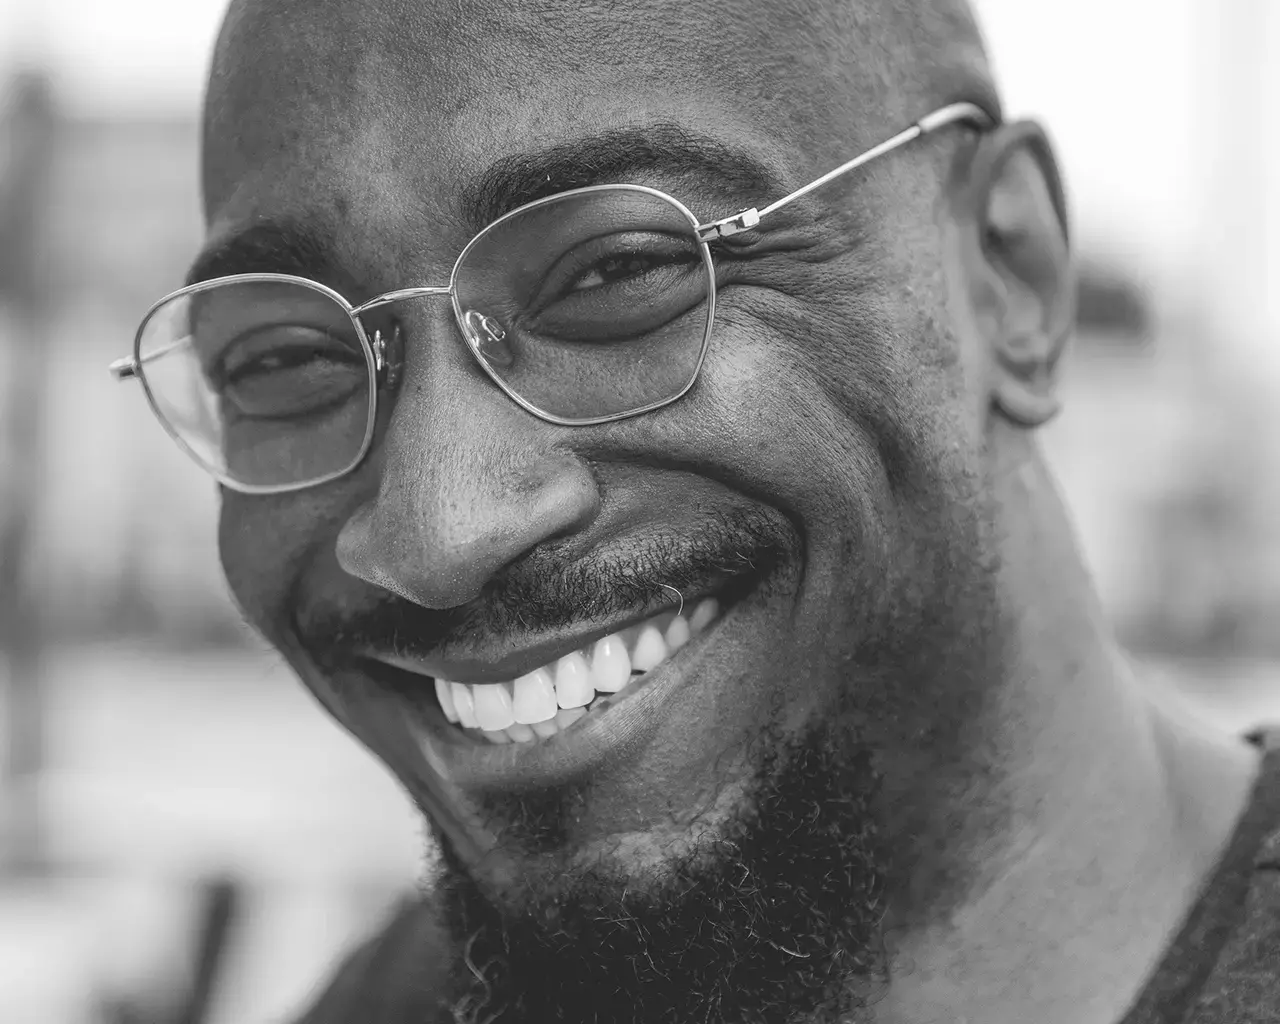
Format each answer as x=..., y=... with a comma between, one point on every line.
x=585, y=307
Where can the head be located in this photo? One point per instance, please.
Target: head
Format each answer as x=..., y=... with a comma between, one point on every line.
x=732, y=834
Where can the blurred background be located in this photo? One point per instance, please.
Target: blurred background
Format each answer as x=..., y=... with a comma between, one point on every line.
x=183, y=835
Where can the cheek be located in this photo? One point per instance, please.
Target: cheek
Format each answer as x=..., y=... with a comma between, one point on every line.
x=855, y=431
x=802, y=405
x=258, y=546
x=792, y=426
x=269, y=544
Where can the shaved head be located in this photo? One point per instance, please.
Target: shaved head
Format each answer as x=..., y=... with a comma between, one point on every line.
x=740, y=848
x=820, y=76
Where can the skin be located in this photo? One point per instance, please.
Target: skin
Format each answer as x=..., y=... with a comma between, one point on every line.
x=926, y=634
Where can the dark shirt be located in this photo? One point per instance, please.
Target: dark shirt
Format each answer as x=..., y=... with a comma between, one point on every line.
x=1223, y=967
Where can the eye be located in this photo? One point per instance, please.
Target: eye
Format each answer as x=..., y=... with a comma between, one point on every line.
x=601, y=263
x=621, y=266
x=614, y=287
x=288, y=371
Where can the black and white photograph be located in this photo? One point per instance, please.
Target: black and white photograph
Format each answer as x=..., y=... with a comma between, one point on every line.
x=639, y=512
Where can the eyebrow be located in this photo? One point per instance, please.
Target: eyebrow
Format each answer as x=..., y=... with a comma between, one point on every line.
x=272, y=247
x=611, y=157
x=662, y=149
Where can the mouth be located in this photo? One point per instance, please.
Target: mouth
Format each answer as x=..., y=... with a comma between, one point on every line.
x=548, y=700
x=559, y=718
x=536, y=705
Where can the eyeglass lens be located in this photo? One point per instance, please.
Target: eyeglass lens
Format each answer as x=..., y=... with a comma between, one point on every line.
x=265, y=382
x=588, y=306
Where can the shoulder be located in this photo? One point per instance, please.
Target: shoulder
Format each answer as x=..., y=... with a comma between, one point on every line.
x=1245, y=989
x=397, y=977
x=1244, y=986
x=1267, y=861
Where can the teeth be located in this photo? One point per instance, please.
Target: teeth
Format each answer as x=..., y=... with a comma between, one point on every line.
x=548, y=700
x=568, y=716
x=573, y=682
x=534, y=698
x=677, y=633
x=464, y=705
x=650, y=650
x=493, y=706
x=444, y=694
x=610, y=664
x=704, y=615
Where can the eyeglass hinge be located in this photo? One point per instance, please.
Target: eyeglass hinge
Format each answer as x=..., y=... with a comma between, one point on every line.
x=385, y=366
x=124, y=369
x=727, y=226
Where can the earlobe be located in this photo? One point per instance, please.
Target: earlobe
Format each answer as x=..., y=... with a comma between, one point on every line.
x=1022, y=284
x=1025, y=389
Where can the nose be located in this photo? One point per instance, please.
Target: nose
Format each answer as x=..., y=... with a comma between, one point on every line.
x=469, y=483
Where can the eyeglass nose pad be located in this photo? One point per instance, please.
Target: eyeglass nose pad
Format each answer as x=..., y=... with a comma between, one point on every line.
x=487, y=337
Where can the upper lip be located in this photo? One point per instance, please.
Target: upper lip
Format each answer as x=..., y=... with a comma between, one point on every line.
x=500, y=666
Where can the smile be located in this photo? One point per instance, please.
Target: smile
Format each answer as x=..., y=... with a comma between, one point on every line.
x=539, y=704
x=563, y=708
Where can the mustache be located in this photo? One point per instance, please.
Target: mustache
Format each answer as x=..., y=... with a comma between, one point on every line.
x=541, y=591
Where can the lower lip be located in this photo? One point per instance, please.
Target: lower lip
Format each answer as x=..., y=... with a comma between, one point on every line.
x=622, y=724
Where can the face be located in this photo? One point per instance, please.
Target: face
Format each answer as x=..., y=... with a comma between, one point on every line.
x=793, y=562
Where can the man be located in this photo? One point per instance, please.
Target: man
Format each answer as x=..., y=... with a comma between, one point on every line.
x=697, y=574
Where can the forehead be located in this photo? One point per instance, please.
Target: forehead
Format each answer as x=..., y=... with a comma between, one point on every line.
x=325, y=103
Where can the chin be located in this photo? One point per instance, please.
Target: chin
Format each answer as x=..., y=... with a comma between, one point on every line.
x=766, y=905
x=756, y=892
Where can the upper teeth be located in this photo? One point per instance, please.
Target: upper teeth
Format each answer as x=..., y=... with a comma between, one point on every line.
x=554, y=696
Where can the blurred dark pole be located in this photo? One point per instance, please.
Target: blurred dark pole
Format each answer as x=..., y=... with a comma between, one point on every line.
x=193, y=992
x=26, y=159
x=220, y=898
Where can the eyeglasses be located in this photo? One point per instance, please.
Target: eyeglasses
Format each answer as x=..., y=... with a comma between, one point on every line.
x=585, y=307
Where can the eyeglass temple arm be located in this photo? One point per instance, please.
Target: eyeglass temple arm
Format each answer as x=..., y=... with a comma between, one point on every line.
x=748, y=219
x=130, y=367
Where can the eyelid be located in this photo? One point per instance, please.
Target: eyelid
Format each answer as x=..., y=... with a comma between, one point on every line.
x=242, y=341
x=544, y=285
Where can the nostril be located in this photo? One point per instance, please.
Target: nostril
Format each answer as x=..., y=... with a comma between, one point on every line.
x=360, y=553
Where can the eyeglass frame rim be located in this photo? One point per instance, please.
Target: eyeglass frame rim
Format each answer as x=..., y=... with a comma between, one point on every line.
x=372, y=363
x=131, y=367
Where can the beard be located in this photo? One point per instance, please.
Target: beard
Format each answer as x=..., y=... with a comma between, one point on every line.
x=775, y=919
x=777, y=916
x=780, y=916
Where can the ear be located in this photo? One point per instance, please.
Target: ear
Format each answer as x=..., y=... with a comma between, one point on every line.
x=1020, y=276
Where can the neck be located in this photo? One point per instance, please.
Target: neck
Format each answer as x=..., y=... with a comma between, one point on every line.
x=1116, y=805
